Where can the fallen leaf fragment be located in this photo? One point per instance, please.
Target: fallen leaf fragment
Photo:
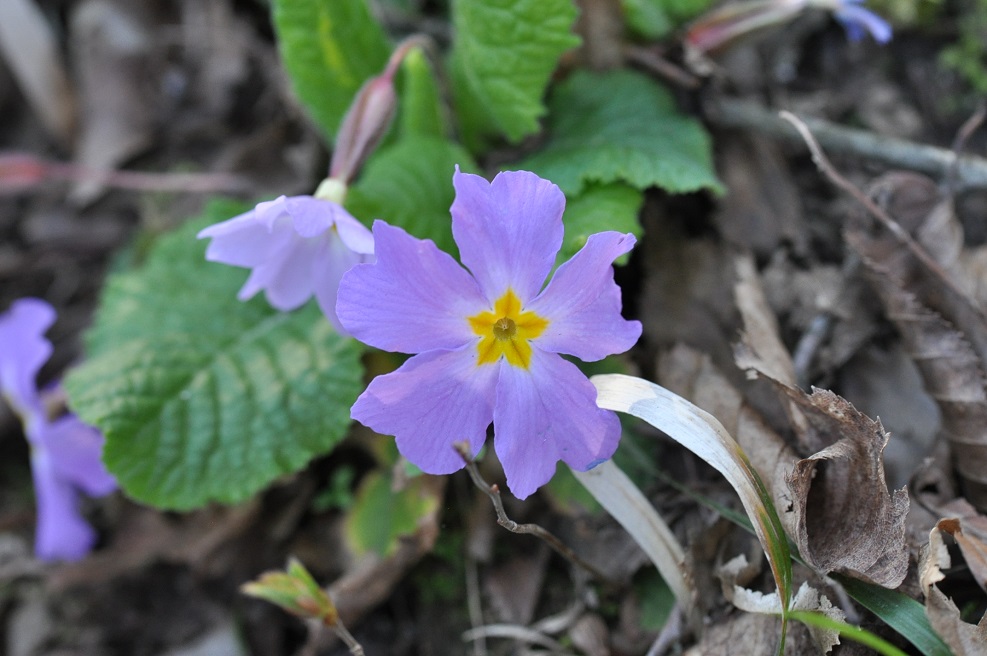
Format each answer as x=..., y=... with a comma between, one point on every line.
x=29, y=46
x=963, y=638
x=806, y=599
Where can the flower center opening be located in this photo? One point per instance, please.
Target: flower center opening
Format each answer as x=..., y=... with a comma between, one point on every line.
x=505, y=328
x=506, y=332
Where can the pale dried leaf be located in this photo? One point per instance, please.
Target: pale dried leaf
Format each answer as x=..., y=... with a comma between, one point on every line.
x=30, y=48
x=111, y=44
x=624, y=501
x=693, y=376
x=760, y=324
x=702, y=434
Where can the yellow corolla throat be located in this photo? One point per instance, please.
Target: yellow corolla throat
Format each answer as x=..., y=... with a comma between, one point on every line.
x=506, y=332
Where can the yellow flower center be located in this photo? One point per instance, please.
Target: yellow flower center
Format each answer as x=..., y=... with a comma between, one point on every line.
x=506, y=331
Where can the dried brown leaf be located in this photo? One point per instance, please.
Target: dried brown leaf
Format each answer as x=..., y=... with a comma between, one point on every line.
x=941, y=342
x=844, y=518
x=765, y=208
x=963, y=638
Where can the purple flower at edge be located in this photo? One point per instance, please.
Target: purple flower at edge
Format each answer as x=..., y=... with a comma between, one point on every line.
x=489, y=341
x=65, y=453
x=856, y=21
x=296, y=246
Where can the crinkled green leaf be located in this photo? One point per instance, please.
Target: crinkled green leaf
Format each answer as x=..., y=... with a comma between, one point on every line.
x=621, y=126
x=204, y=398
x=599, y=208
x=507, y=51
x=329, y=48
x=409, y=185
x=381, y=516
x=422, y=111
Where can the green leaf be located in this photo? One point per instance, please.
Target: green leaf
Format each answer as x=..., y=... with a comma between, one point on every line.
x=422, y=111
x=506, y=51
x=296, y=592
x=329, y=48
x=409, y=185
x=381, y=516
x=899, y=611
x=599, y=208
x=848, y=631
x=647, y=17
x=621, y=126
x=204, y=398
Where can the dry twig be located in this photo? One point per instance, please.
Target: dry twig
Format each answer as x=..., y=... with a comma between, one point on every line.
x=493, y=491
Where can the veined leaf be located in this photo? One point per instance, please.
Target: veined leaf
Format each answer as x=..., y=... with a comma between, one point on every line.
x=329, y=48
x=506, y=50
x=204, y=398
x=622, y=127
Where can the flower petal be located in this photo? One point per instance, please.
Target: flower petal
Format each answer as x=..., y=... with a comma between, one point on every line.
x=432, y=401
x=546, y=414
x=62, y=533
x=74, y=450
x=327, y=272
x=508, y=231
x=287, y=278
x=245, y=241
x=414, y=298
x=310, y=216
x=23, y=351
x=582, y=303
x=857, y=19
x=354, y=234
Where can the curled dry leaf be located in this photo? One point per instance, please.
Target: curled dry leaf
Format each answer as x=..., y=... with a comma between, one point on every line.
x=844, y=518
x=963, y=638
x=941, y=327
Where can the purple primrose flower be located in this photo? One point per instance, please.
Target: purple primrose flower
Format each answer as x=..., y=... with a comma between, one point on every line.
x=297, y=246
x=489, y=340
x=65, y=453
x=858, y=21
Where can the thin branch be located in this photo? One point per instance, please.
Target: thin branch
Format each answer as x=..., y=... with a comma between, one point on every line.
x=971, y=172
x=493, y=491
x=827, y=169
x=655, y=63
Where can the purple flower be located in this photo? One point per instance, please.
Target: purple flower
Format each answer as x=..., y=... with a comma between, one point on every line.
x=489, y=339
x=857, y=21
x=297, y=246
x=65, y=453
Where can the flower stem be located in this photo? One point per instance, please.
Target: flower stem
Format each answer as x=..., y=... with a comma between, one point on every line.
x=493, y=491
